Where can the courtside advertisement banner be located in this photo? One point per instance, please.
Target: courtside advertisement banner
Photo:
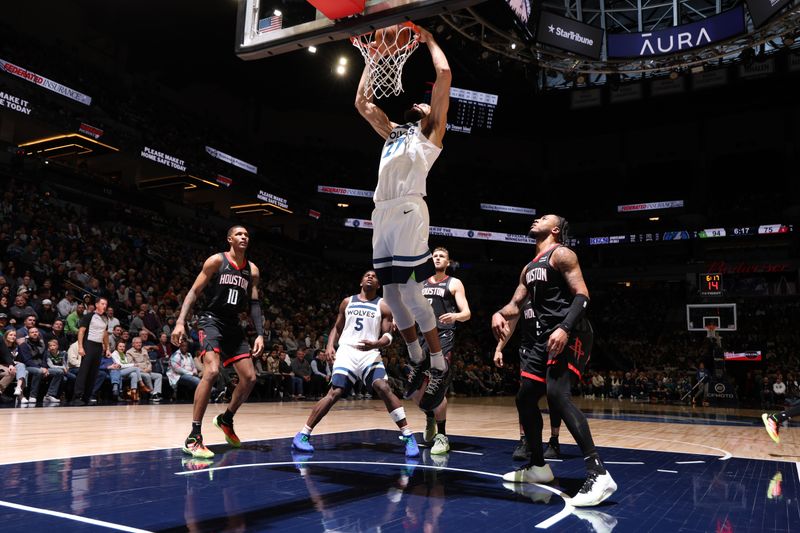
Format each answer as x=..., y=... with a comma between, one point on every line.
x=570, y=35
x=41, y=81
x=743, y=356
x=762, y=10
x=344, y=191
x=441, y=231
x=649, y=206
x=679, y=38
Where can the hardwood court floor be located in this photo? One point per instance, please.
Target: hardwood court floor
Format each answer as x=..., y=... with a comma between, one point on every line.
x=60, y=432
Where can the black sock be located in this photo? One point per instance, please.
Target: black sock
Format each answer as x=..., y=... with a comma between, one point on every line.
x=594, y=464
x=227, y=417
x=554, y=439
x=440, y=426
x=782, y=417
x=195, y=429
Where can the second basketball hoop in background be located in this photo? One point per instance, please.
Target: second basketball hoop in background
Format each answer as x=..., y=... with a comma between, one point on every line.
x=385, y=52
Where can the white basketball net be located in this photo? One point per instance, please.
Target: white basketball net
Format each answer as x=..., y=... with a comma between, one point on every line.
x=385, y=76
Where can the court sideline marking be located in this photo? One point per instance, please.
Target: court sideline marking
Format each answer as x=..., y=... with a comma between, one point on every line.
x=76, y=518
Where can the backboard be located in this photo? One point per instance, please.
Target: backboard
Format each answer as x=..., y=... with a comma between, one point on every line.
x=261, y=32
x=700, y=316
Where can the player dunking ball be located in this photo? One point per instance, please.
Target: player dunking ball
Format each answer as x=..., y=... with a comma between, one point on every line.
x=231, y=285
x=400, y=253
x=362, y=328
x=448, y=298
x=772, y=422
x=561, y=349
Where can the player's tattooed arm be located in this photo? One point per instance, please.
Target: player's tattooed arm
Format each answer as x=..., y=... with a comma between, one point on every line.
x=566, y=262
x=371, y=112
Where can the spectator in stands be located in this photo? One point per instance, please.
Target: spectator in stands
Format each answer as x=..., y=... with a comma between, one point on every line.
x=766, y=393
x=66, y=305
x=137, y=323
x=151, y=321
x=127, y=369
x=20, y=310
x=182, y=370
x=4, y=305
x=285, y=369
x=115, y=335
x=779, y=391
x=301, y=382
x=113, y=321
x=47, y=316
x=73, y=320
x=33, y=353
x=598, y=385
x=58, y=361
x=22, y=331
x=320, y=375
x=8, y=367
x=152, y=380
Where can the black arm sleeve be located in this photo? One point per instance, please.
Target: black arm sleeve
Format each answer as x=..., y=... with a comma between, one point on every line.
x=576, y=311
x=257, y=317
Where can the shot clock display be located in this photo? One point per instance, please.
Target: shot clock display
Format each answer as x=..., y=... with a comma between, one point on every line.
x=711, y=284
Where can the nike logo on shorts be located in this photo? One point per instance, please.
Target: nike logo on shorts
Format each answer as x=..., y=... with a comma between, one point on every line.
x=407, y=212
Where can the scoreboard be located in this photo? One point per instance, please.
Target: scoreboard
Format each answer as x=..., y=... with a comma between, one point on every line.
x=711, y=284
x=470, y=110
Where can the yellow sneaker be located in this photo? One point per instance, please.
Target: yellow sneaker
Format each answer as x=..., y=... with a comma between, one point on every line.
x=772, y=426
x=194, y=446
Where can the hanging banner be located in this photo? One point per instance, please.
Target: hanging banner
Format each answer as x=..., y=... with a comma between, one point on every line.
x=679, y=38
x=222, y=156
x=8, y=101
x=41, y=81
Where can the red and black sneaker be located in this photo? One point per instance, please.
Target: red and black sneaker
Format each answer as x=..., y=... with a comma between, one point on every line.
x=227, y=429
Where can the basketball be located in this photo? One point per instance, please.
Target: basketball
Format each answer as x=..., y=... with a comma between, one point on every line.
x=389, y=41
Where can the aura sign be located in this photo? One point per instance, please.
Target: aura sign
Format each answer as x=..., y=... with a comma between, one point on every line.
x=679, y=38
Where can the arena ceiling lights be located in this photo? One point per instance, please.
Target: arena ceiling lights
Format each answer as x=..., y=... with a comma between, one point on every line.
x=69, y=144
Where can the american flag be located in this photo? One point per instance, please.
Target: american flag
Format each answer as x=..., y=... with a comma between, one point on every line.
x=275, y=22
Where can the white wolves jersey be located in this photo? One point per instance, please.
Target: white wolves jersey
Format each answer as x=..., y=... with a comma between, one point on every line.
x=406, y=159
x=362, y=321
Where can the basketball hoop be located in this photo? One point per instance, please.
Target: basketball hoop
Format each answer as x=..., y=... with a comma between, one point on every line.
x=385, y=52
x=711, y=331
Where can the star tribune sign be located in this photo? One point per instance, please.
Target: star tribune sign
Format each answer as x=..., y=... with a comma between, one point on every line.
x=570, y=35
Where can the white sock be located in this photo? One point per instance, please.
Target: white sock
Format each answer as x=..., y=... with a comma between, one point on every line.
x=306, y=430
x=437, y=361
x=414, y=351
x=406, y=430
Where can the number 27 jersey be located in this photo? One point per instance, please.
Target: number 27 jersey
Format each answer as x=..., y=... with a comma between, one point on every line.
x=228, y=292
x=362, y=321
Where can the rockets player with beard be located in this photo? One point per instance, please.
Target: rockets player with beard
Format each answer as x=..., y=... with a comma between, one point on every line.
x=448, y=298
x=362, y=328
x=231, y=286
x=554, y=283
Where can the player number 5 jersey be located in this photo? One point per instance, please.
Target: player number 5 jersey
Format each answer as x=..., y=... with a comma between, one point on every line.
x=406, y=159
x=362, y=321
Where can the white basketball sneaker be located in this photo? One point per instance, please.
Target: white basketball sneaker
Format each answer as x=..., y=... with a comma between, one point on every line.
x=596, y=489
x=531, y=474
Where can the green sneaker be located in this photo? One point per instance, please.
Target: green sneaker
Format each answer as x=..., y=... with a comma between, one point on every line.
x=441, y=445
x=194, y=447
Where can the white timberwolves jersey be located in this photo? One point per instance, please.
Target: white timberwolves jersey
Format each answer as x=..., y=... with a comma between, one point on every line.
x=406, y=159
x=362, y=321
